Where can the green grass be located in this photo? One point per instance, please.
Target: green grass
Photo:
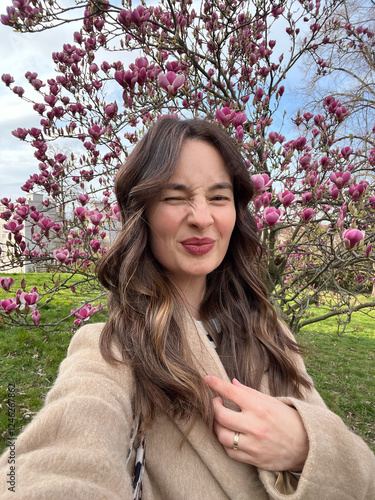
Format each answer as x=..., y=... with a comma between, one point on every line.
x=29, y=357
x=343, y=368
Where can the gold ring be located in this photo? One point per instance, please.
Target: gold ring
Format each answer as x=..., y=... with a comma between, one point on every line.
x=236, y=439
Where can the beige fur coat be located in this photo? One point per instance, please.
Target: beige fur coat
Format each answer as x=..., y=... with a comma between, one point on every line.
x=76, y=447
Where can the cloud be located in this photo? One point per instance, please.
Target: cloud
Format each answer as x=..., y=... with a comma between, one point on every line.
x=22, y=52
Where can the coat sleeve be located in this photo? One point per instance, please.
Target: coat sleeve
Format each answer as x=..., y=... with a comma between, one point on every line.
x=339, y=463
x=76, y=446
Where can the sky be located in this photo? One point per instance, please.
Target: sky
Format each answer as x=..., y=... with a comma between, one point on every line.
x=22, y=52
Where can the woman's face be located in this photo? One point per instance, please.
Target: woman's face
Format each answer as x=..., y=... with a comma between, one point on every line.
x=192, y=220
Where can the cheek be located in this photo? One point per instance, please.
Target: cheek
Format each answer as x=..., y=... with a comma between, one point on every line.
x=164, y=224
x=228, y=222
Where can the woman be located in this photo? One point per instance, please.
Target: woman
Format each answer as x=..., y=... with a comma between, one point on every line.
x=188, y=313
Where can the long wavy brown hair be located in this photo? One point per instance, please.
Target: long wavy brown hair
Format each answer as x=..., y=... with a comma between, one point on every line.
x=146, y=310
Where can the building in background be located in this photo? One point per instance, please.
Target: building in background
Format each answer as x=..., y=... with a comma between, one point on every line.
x=35, y=200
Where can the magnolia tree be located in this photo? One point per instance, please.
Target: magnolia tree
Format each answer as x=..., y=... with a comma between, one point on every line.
x=223, y=61
x=346, y=66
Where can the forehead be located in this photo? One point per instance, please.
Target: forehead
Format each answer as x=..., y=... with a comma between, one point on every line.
x=200, y=161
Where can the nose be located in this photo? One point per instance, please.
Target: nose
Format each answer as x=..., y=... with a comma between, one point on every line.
x=200, y=215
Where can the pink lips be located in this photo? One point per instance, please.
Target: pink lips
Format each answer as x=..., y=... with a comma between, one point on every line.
x=198, y=246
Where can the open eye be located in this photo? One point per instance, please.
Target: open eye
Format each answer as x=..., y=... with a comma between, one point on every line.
x=220, y=198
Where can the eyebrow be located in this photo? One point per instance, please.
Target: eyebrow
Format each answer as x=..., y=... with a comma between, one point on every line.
x=214, y=187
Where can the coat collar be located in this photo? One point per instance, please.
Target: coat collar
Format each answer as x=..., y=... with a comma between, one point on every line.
x=236, y=478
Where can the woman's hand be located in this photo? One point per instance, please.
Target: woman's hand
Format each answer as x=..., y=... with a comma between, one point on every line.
x=271, y=433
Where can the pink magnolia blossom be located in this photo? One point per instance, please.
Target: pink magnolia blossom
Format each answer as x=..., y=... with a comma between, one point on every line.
x=13, y=227
x=140, y=15
x=319, y=120
x=340, y=223
x=116, y=212
x=266, y=199
x=239, y=119
x=280, y=91
x=45, y=224
x=7, y=305
x=286, y=198
x=28, y=301
x=306, y=214
x=259, y=223
x=305, y=161
x=308, y=116
x=351, y=237
x=96, y=132
x=325, y=162
x=262, y=182
x=95, y=245
x=312, y=178
x=306, y=197
x=35, y=316
x=20, y=133
x=125, y=17
x=372, y=202
x=340, y=178
x=275, y=137
x=81, y=213
x=239, y=133
x=6, y=283
x=346, y=152
x=83, y=198
x=225, y=116
x=271, y=215
x=84, y=313
x=258, y=94
x=334, y=192
x=22, y=212
x=95, y=218
x=111, y=110
x=142, y=62
x=277, y=10
x=171, y=82
x=6, y=78
x=357, y=190
x=18, y=90
x=343, y=210
x=50, y=99
x=258, y=203
x=368, y=250
x=62, y=255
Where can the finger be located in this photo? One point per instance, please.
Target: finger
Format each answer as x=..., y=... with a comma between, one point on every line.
x=224, y=416
x=251, y=391
x=229, y=391
x=228, y=437
x=218, y=401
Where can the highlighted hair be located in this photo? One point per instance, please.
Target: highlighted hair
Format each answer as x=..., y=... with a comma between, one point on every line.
x=146, y=312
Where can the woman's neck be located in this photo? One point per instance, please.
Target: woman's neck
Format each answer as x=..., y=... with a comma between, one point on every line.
x=192, y=295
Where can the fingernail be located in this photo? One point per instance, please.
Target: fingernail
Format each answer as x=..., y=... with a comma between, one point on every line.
x=207, y=379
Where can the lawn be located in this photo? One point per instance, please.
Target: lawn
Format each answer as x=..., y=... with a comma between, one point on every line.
x=30, y=357
x=343, y=368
